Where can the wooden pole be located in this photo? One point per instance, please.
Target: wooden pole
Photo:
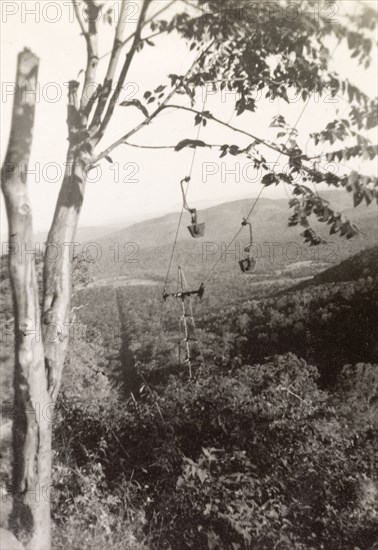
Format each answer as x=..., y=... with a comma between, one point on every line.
x=184, y=319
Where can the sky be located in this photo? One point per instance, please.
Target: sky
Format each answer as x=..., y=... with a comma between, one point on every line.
x=140, y=183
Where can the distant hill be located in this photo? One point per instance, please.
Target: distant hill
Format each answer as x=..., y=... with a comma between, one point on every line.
x=225, y=218
x=154, y=238
x=84, y=234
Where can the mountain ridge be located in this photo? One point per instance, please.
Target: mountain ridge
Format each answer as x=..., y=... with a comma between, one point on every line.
x=145, y=247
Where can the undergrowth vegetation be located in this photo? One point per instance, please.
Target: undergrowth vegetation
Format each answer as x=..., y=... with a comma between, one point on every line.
x=271, y=445
x=254, y=452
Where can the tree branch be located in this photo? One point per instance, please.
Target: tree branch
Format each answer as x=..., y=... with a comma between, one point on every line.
x=131, y=36
x=211, y=145
x=91, y=39
x=227, y=125
x=157, y=33
x=112, y=66
x=148, y=119
x=79, y=17
x=259, y=140
x=124, y=139
x=125, y=69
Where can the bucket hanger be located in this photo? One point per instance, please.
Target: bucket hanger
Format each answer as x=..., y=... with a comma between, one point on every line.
x=195, y=229
x=248, y=264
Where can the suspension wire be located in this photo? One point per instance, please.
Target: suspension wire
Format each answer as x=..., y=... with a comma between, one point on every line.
x=208, y=276
x=182, y=208
x=252, y=207
x=262, y=189
x=188, y=180
x=179, y=225
x=295, y=127
x=192, y=310
x=233, y=239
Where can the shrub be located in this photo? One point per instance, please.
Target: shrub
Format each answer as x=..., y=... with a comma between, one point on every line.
x=256, y=458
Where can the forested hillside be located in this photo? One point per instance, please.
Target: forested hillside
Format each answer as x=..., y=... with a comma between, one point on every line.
x=361, y=265
x=271, y=444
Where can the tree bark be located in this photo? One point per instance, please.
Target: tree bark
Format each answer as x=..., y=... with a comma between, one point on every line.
x=40, y=341
x=57, y=275
x=58, y=272
x=30, y=517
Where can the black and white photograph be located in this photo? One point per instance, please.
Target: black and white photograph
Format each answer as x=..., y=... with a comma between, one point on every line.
x=189, y=275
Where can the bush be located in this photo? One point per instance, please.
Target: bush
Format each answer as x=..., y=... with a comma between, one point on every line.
x=277, y=475
x=256, y=458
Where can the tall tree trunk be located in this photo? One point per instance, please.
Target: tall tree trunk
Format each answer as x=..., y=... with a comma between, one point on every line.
x=30, y=518
x=40, y=343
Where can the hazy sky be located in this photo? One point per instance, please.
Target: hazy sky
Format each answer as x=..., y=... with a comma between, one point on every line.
x=148, y=180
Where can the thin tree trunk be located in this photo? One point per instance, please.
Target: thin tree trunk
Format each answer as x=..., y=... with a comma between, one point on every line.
x=58, y=273
x=30, y=518
x=40, y=344
x=41, y=341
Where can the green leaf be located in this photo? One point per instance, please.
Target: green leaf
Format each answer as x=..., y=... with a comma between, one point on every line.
x=278, y=122
x=197, y=119
x=135, y=103
x=190, y=143
x=269, y=179
x=202, y=474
